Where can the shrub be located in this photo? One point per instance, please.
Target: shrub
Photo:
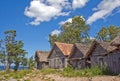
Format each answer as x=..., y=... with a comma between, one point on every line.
x=68, y=71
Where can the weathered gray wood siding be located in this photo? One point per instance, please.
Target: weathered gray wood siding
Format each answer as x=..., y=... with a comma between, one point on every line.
x=42, y=65
x=77, y=63
x=96, y=55
x=111, y=61
x=39, y=65
x=57, y=59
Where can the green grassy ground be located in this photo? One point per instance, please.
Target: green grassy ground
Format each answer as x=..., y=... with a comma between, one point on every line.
x=67, y=72
x=70, y=72
x=16, y=75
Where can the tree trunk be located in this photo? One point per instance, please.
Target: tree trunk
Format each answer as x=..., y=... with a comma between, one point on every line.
x=7, y=67
x=16, y=66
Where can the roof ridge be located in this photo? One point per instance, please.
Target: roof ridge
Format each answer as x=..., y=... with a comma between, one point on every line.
x=64, y=47
x=61, y=43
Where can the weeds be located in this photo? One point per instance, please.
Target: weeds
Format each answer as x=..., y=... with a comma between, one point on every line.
x=16, y=75
x=48, y=71
x=69, y=72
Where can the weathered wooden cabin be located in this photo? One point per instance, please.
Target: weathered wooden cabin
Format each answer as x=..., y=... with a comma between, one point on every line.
x=104, y=54
x=41, y=59
x=58, y=57
x=77, y=56
x=96, y=52
x=114, y=55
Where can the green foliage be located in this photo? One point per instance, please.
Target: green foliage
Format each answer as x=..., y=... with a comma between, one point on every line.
x=48, y=71
x=2, y=52
x=27, y=80
x=17, y=75
x=68, y=68
x=108, y=34
x=89, y=72
x=13, y=51
x=70, y=72
x=72, y=32
x=31, y=62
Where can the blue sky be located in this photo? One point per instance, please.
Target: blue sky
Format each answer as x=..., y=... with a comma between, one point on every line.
x=34, y=20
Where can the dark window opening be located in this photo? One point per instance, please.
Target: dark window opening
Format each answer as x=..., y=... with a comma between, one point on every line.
x=88, y=63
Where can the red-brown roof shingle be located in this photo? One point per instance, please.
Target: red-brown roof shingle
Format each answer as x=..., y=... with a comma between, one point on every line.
x=64, y=47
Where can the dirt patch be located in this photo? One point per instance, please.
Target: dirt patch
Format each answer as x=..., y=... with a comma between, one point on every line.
x=97, y=78
x=56, y=77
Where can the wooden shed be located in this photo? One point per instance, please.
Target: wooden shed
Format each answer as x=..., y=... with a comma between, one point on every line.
x=104, y=54
x=41, y=59
x=58, y=57
x=77, y=56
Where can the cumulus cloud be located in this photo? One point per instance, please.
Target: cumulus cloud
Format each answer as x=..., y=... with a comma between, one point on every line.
x=45, y=10
x=79, y=3
x=69, y=20
x=103, y=10
x=55, y=32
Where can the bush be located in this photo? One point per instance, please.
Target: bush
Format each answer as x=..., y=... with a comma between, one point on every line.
x=68, y=71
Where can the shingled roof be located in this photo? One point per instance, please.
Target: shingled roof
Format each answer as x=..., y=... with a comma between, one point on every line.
x=105, y=45
x=116, y=41
x=41, y=56
x=84, y=48
x=64, y=48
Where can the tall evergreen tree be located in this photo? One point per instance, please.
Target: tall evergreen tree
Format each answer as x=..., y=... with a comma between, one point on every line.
x=31, y=62
x=2, y=53
x=9, y=43
x=19, y=54
x=14, y=52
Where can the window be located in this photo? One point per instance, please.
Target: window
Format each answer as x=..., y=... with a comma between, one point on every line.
x=63, y=62
x=100, y=61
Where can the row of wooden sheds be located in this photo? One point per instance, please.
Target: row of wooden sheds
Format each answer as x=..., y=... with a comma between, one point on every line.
x=80, y=56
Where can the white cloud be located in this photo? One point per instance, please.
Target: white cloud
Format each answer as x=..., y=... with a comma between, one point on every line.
x=69, y=20
x=92, y=38
x=45, y=10
x=56, y=32
x=79, y=3
x=103, y=10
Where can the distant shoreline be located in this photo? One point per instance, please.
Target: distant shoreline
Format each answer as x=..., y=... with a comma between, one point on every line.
x=2, y=68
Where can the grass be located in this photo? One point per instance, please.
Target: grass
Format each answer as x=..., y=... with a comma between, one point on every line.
x=16, y=75
x=70, y=72
x=67, y=72
x=48, y=71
